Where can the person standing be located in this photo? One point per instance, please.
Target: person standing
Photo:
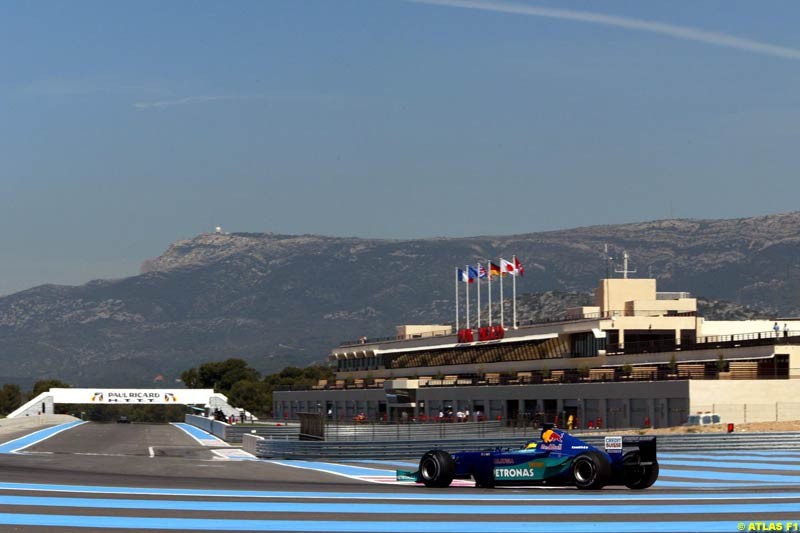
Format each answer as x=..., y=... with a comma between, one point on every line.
x=776, y=328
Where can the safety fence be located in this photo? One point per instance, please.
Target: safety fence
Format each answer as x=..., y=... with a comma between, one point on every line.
x=752, y=412
x=389, y=449
x=519, y=427
x=233, y=432
x=362, y=432
x=417, y=431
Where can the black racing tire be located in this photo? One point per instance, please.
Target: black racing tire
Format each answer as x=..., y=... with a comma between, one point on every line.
x=591, y=470
x=437, y=469
x=638, y=477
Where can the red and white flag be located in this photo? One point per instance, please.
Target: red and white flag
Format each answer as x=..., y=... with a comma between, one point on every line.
x=512, y=269
x=507, y=267
x=520, y=270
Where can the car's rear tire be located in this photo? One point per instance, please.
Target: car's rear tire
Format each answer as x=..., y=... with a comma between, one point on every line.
x=638, y=476
x=437, y=469
x=590, y=470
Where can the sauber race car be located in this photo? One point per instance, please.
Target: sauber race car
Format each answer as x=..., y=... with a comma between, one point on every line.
x=558, y=459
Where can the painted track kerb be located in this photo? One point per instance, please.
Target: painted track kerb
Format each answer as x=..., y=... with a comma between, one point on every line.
x=536, y=495
x=409, y=509
x=19, y=444
x=211, y=524
x=202, y=437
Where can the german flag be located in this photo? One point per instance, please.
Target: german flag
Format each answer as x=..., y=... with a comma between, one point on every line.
x=494, y=270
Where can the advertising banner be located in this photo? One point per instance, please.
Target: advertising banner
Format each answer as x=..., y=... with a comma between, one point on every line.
x=132, y=396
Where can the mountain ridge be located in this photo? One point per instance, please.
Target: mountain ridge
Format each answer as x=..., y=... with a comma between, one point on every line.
x=278, y=299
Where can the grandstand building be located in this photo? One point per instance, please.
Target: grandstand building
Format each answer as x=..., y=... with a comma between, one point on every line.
x=638, y=357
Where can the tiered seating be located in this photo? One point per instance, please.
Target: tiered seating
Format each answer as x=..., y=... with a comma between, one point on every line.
x=743, y=369
x=601, y=374
x=692, y=371
x=525, y=351
x=641, y=373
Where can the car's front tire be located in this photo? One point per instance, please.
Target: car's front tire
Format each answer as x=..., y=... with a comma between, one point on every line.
x=437, y=469
x=591, y=471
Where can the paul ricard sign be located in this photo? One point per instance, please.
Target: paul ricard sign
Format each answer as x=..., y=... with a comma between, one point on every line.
x=132, y=396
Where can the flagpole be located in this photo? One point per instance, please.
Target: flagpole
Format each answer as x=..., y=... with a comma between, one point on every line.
x=514, y=290
x=479, y=296
x=502, y=323
x=456, y=300
x=468, y=324
x=489, y=270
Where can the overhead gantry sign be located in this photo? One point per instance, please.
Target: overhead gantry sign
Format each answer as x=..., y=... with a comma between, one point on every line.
x=43, y=403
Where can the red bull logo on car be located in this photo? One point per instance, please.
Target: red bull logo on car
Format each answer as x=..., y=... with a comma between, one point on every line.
x=551, y=440
x=551, y=436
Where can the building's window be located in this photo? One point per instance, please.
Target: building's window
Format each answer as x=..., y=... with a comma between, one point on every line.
x=586, y=345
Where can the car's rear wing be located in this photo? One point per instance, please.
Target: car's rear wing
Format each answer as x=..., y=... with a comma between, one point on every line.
x=646, y=446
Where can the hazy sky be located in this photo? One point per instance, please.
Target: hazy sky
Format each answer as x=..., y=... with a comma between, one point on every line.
x=125, y=126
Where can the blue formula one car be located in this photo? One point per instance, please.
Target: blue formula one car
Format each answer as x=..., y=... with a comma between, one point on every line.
x=557, y=459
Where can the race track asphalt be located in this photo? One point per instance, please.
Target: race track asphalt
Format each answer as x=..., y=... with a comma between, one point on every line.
x=105, y=477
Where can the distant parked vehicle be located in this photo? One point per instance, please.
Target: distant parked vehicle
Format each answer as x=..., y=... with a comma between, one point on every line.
x=703, y=419
x=123, y=420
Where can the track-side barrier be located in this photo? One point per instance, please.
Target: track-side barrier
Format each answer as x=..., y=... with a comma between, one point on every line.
x=233, y=432
x=391, y=449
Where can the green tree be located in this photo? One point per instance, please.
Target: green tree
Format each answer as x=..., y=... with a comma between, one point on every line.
x=673, y=364
x=135, y=413
x=44, y=385
x=191, y=378
x=219, y=375
x=254, y=396
x=10, y=398
x=243, y=387
x=294, y=377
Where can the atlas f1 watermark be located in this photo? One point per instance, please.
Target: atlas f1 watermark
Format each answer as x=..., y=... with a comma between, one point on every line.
x=770, y=525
